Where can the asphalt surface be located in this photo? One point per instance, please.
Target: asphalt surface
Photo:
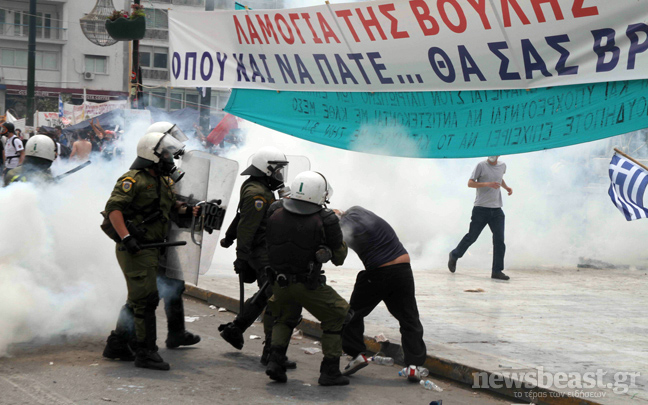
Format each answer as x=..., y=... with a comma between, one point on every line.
x=71, y=370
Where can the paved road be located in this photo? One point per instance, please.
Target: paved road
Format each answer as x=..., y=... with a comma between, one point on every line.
x=561, y=319
x=72, y=371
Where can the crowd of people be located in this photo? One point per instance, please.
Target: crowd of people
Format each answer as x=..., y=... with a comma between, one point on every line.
x=283, y=237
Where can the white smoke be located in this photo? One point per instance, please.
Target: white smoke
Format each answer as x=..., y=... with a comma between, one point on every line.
x=58, y=271
x=558, y=213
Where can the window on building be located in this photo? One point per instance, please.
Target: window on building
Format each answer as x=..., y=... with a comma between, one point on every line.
x=156, y=19
x=154, y=57
x=18, y=58
x=158, y=99
x=192, y=101
x=175, y=101
x=96, y=63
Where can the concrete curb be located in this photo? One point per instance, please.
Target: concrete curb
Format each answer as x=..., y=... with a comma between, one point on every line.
x=438, y=366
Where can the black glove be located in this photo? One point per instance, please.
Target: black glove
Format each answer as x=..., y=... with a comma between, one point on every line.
x=241, y=266
x=131, y=244
x=323, y=254
x=225, y=242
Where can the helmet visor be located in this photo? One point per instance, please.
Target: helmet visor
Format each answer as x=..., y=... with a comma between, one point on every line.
x=169, y=146
x=279, y=170
x=177, y=134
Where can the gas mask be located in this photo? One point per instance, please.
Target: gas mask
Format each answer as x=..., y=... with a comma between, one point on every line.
x=276, y=178
x=168, y=149
x=493, y=159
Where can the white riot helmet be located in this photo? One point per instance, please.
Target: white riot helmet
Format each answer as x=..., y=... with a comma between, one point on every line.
x=309, y=192
x=167, y=128
x=41, y=146
x=159, y=149
x=269, y=162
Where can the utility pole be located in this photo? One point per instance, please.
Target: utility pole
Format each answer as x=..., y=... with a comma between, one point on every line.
x=136, y=79
x=205, y=101
x=31, y=64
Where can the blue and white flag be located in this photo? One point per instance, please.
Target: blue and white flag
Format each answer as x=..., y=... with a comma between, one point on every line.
x=61, y=107
x=629, y=182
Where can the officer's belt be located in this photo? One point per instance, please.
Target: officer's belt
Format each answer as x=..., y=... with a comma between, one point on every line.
x=294, y=278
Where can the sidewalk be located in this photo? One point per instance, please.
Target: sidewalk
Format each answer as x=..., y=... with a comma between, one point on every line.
x=560, y=319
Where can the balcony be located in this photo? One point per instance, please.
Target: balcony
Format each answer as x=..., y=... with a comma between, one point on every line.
x=21, y=31
x=155, y=74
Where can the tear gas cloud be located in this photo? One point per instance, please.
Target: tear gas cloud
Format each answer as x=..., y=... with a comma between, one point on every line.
x=59, y=274
x=559, y=210
x=58, y=271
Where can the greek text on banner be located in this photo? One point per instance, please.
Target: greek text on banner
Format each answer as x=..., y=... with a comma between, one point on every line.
x=412, y=45
x=451, y=124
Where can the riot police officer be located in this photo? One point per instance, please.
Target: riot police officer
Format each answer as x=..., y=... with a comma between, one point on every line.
x=40, y=152
x=139, y=210
x=301, y=235
x=257, y=194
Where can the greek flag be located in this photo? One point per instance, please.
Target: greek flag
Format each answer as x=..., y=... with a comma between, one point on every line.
x=61, y=107
x=629, y=182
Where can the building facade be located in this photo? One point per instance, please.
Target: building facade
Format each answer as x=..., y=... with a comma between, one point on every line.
x=68, y=64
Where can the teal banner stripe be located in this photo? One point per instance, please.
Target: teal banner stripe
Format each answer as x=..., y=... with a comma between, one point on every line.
x=451, y=124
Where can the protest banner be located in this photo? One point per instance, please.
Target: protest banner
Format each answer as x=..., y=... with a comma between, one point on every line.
x=451, y=124
x=413, y=45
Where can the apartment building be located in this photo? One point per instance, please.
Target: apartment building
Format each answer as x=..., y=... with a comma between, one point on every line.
x=68, y=64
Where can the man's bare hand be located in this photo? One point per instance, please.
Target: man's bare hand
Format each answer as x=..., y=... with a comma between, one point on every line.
x=509, y=190
x=196, y=211
x=494, y=184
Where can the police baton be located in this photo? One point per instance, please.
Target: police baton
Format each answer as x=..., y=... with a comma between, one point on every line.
x=69, y=172
x=162, y=245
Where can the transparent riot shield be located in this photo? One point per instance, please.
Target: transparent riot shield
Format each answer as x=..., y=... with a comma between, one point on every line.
x=208, y=182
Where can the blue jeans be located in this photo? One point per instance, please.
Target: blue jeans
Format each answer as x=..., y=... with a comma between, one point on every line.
x=482, y=216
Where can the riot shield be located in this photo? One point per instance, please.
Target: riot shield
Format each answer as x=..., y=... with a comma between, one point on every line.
x=208, y=182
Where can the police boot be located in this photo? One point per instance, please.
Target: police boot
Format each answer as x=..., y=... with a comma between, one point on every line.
x=330, y=372
x=148, y=357
x=265, y=356
x=232, y=334
x=117, y=348
x=276, y=369
x=178, y=335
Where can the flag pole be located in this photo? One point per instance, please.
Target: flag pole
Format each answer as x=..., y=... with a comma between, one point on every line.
x=629, y=158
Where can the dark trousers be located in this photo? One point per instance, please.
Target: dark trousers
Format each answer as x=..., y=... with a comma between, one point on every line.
x=395, y=286
x=251, y=311
x=170, y=290
x=494, y=218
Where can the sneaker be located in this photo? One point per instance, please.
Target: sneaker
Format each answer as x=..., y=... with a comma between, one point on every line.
x=500, y=276
x=359, y=362
x=452, y=263
x=413, y=374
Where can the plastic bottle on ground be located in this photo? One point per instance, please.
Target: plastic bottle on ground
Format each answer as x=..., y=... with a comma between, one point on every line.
x=429, y=385
x=423, y=372
x=383, y=361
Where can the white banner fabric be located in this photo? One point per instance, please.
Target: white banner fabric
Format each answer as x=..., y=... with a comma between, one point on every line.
x=412, y=45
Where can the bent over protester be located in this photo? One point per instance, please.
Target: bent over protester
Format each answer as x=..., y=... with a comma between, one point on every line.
x=387, y=277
